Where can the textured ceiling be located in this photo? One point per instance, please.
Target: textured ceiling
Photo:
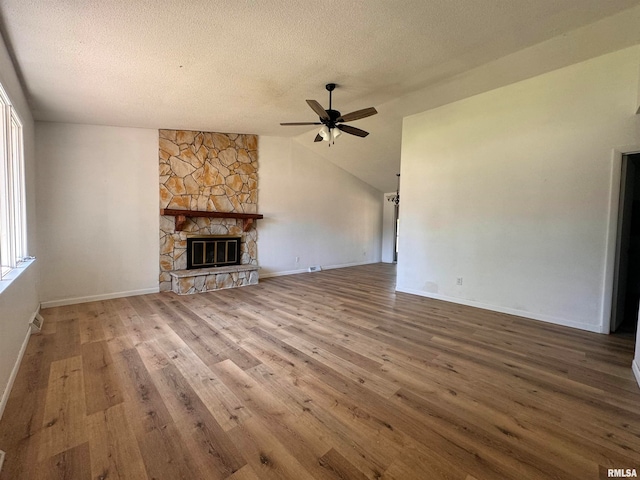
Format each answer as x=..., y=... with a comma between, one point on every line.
x=245, y=66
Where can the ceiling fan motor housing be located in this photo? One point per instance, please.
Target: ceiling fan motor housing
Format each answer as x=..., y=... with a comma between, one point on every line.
x=333, y=116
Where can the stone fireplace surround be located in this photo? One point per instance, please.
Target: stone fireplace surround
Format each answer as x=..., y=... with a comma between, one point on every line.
x=207, y=172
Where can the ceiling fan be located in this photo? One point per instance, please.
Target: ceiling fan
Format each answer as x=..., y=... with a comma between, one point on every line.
x=332, y=120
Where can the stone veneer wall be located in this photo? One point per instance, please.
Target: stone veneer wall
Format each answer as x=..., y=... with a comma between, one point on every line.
x=210, y=172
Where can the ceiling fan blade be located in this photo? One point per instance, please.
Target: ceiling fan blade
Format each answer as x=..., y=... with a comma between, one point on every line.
x=318, y=138
x=301, y=123
x=357, y=115
x=353, y=130
x=316, y=107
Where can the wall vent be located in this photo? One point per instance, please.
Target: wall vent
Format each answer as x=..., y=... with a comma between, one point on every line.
x=36, y=323
x=315, y=268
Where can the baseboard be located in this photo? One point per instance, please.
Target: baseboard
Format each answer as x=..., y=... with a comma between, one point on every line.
x=282, y=274
x=510, y=311
x=97, y=298
x=306, y=270
x=347, y=265
x=16, y=366
x=635, y=366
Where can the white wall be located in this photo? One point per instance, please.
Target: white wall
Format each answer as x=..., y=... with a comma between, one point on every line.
x=638, y=96
x=18, y=297
x=98, y=211
x=312, y=210
x=636, y=360
x=510, y=190
x=388, y=229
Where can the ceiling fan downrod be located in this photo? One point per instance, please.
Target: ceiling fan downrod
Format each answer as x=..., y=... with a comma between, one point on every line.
x=330, y=87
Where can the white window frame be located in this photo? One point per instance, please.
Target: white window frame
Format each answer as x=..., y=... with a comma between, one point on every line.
x=13, y=238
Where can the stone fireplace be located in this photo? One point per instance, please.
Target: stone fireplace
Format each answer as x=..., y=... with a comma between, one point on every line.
x=204, y=172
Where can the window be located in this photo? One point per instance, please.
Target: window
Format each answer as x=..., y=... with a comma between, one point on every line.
x=13, y=238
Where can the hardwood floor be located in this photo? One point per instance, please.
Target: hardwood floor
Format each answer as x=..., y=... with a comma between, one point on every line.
x=328, y=375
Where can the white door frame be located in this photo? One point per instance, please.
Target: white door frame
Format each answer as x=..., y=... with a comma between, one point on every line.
x=612, y=233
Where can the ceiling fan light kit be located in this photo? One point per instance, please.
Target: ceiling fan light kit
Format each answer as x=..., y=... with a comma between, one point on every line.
x=325, y=133
x=332, y=120
x=329, y=135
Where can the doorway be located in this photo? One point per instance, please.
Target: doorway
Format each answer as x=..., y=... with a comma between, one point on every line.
x=626, y=286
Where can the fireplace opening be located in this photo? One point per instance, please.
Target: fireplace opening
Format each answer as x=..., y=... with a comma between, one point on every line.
x=212, y=251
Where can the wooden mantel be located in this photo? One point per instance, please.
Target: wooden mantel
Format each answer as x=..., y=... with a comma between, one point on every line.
x=181, y=216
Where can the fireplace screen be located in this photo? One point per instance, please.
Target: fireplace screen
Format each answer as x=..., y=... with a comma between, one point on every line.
x=212, y=251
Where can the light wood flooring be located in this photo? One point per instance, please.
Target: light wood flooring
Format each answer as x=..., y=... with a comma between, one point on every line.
x=328, y=375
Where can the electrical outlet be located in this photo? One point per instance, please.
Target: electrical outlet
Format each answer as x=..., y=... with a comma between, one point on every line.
x=459, y=281
x=297, y=259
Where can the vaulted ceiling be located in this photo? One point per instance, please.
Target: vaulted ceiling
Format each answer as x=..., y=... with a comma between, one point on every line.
x=245, y=66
